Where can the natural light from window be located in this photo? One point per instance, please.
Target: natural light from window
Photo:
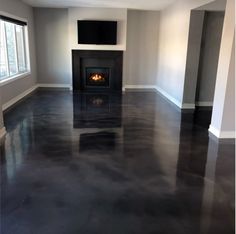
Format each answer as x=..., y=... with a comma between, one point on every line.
x=13, y=50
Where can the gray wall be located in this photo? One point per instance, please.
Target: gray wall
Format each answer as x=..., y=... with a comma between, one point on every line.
x=53, y=53
x=193, y=56
x=52, y=46
x=205, y=33
x=217, y=5
x=211, y=40
x=140, y=58
x=17, y=87
x=173, y=44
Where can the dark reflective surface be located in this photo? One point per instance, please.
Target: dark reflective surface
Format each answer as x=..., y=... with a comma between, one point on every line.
x=90, y=163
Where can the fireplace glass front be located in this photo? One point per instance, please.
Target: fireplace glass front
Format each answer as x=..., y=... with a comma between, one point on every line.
x=97, y=77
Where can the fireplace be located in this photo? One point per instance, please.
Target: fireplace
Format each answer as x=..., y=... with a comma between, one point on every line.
x=97, y=77
x=98, y=71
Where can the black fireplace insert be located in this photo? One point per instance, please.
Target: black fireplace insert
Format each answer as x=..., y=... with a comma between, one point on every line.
x=97, y=77
x=97, y=70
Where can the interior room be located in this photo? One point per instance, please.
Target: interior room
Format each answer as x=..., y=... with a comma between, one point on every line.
x=117, y=116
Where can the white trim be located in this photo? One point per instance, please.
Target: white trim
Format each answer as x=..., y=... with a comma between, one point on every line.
x=188, y=106
x=19, y=75
x=175, y=101
x=28, y=91
x=227, y=135
x=117, y=47
x=67, y=86
x=163, y=93
x=139, y=87
x=204, y=103
x=222, y=134
x=13, y=78
x=27, y=47
x=18, y=98
x=169, y=97
x=2, y=132
x=214, y=131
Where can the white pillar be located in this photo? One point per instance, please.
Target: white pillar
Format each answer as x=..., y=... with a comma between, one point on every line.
x=223, y=115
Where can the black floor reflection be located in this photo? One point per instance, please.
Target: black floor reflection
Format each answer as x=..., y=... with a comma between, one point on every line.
x=2, y=152
x=98, y=141
x=107, y=163
x=97, y=110
x=202, y=116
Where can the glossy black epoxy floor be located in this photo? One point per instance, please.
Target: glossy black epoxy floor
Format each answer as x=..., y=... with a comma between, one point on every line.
x=111, y=164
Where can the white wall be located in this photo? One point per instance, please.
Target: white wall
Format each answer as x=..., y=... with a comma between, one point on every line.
x=173, y=44
x=83, y=13
x=228, y=123
x=223, y=116
x=19, y=9
x=172, y=57
x=140, y=57
x=52, y=46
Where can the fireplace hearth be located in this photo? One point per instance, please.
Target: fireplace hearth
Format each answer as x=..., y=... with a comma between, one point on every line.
x=97, y=70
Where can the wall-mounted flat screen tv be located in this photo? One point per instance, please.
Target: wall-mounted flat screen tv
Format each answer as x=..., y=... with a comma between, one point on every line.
x=97, y=32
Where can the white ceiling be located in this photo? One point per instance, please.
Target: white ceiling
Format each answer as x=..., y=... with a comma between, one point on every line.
x=130, y=4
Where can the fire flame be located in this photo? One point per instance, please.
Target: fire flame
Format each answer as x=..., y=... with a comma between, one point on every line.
x=97, y=77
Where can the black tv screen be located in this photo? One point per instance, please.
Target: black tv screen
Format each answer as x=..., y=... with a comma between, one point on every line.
x=97, y=32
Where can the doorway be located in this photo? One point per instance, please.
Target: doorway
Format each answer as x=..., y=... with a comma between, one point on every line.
x=209, y=56
x=208, y=64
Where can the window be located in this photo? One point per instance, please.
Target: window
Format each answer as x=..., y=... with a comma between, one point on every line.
x=13, y=48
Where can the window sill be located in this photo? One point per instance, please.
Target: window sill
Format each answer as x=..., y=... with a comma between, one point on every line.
x=13, y=78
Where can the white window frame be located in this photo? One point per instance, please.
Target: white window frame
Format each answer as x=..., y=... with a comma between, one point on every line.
x=26, y=73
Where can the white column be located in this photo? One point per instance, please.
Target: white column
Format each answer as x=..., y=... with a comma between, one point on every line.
x=223, y=115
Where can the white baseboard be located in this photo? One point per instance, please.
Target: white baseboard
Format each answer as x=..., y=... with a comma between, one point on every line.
x=222, y=134
x=204, y=104
x=169, y=97
x=18, y=98
x=188, y=106
x=175, y=101
x=163, y=93
x=28, y=91
x=66, y=86
x=2, y=133
x=139, y=87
